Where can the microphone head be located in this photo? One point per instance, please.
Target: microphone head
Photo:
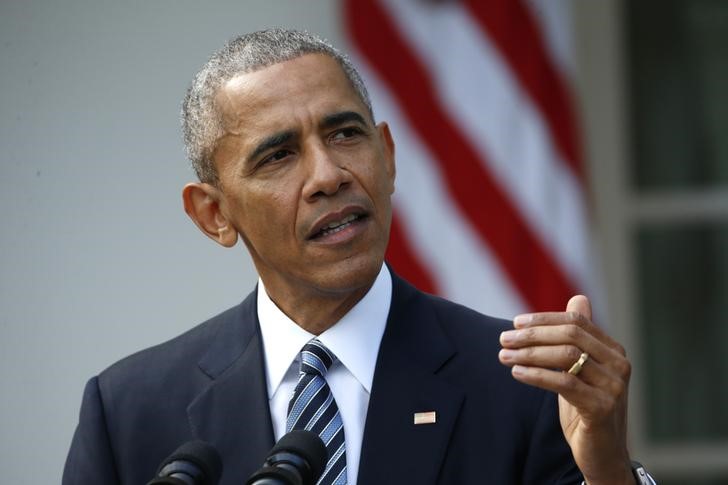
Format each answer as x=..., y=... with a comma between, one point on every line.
x=307, y=445
x=197, y=460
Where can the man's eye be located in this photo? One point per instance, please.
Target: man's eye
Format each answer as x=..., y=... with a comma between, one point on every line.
x=279, y=155
x=346, y=133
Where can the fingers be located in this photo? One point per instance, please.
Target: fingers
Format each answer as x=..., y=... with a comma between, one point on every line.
x=544, y=345
x=593, y=401
x=571, y=318
x=581, y=305
x=573, y=335
x=553, y=357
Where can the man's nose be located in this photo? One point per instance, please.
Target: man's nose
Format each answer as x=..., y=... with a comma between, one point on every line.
x=326, y=174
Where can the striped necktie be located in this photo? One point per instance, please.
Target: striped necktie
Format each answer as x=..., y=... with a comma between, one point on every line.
x=313, y=408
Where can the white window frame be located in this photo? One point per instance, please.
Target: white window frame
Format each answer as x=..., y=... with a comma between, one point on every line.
x=600, y=35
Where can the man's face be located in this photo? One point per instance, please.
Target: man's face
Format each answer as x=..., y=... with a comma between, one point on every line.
x=305, y=177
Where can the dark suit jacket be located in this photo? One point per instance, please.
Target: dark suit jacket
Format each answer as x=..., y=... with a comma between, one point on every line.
x=209, y=384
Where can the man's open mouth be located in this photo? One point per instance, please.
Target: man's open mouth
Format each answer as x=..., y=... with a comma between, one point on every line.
x=336, y=226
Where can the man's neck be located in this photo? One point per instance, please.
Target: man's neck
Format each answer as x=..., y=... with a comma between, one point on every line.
x=317, y=311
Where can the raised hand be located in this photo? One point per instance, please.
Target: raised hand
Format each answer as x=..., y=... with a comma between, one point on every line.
x=542, y=351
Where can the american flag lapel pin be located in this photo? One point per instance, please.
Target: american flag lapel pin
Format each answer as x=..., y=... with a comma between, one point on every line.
x=429, y=417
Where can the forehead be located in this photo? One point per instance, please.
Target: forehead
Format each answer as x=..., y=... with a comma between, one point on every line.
x=313, y=84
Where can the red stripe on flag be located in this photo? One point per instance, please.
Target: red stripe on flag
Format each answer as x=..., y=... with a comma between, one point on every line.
x=511, y=26
x=529, y=267
x=404, y=260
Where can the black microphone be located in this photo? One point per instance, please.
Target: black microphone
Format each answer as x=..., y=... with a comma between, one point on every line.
x=299, y=458
x=193, y=463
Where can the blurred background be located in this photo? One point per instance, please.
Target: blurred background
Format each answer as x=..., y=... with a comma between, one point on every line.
x=544, y=147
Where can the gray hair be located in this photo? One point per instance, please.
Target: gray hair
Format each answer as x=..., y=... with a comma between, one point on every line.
x=201, y=123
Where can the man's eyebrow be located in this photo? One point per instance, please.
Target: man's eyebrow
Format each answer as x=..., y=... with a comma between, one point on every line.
x=271, y=142
x=337, y=119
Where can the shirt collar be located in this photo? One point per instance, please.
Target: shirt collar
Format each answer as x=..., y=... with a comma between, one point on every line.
x=354, y=339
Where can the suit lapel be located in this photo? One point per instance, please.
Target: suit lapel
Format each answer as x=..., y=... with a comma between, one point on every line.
x=413, y=349
x=232, y=412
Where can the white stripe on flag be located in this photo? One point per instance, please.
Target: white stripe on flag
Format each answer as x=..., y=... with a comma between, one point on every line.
x=555, y=19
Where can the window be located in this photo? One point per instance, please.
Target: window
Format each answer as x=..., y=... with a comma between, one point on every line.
x=677, y=230
x=654, y=90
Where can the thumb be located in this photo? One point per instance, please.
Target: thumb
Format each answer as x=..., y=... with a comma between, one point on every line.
x=580, y=304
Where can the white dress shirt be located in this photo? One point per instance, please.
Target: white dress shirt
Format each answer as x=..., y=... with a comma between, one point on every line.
x=354, y=340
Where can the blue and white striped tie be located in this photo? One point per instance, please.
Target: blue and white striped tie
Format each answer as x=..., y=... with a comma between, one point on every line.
x=313, y=408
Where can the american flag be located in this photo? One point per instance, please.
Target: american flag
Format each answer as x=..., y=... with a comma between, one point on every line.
x=490, y=207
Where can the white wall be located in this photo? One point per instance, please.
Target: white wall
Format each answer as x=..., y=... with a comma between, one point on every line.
x=97, y=258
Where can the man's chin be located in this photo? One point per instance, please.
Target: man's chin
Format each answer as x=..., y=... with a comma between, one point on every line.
x=350, y=274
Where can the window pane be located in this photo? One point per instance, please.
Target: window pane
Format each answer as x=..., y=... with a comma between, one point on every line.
x=678, y=68
x=683, y=285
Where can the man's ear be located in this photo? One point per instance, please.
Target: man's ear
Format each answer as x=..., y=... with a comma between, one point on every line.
x=388, y=147
x=202, y=204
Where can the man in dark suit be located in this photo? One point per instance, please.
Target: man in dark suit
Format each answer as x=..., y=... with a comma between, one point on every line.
x=280, y=130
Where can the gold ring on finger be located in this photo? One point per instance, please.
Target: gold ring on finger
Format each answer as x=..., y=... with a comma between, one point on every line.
x=576, y=368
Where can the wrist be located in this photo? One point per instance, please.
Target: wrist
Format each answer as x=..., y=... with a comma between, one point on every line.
x=621, y=476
